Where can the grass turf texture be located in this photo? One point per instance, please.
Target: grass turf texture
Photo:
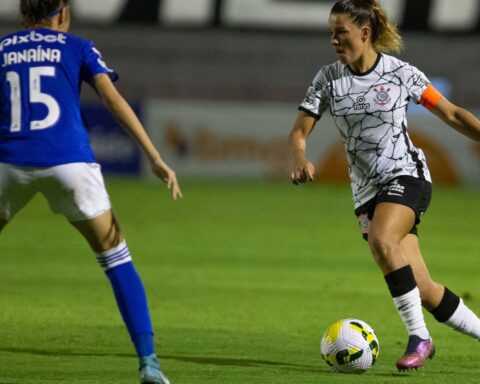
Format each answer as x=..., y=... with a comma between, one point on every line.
x=242, y=280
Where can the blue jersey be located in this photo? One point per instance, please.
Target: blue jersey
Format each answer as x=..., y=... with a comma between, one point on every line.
x=41, y=73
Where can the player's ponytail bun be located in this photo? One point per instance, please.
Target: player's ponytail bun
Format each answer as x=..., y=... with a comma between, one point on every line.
x=385, y=36
x=36, y=12
x=388, y=37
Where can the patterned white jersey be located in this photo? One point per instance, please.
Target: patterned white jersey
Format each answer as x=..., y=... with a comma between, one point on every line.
x=369, y=110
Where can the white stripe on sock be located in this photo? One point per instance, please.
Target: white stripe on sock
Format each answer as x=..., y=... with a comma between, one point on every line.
x=114, y=257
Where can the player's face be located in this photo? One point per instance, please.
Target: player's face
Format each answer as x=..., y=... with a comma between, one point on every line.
x=347, y=38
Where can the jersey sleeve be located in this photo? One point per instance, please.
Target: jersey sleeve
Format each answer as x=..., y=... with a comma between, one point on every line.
x=93, y=64
x=416, y=83
x=317, y=98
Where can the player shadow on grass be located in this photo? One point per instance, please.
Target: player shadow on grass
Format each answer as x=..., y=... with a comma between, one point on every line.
x=244, y=362
x=221, y=361
x=238, y=362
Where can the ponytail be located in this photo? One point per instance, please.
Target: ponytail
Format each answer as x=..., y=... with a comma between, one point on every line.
x=385, y=35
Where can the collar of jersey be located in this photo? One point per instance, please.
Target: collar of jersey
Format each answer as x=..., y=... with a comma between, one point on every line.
x=379, y=56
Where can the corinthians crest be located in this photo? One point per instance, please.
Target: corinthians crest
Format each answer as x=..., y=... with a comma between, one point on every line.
x=382, y=97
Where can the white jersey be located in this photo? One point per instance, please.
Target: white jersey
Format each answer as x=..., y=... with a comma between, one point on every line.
x=369, y=110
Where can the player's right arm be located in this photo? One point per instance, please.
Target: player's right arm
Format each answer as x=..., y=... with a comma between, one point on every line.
x=303, y=170
x=127, y=118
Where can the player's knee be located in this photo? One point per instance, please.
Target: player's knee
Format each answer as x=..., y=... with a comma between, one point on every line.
x=102, y=232
x=382, y=247
x=106, y=244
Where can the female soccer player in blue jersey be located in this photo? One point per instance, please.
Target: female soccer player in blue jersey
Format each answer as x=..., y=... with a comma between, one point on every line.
x=44, y=148
x=367, y=93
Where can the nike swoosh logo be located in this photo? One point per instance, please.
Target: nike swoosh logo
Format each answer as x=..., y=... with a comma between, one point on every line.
x=405, y=307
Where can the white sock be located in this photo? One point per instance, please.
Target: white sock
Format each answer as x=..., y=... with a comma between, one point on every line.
x=465, y=321
x=409, y=307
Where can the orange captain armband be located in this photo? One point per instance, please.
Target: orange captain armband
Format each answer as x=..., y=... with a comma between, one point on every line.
x=431, y=97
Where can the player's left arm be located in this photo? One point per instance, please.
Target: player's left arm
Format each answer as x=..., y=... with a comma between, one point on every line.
x=127, y=118
x=456, y=117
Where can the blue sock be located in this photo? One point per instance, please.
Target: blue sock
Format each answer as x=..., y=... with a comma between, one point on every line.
x=130, y=295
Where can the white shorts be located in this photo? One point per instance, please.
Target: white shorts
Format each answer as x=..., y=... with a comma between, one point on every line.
x=76, y=190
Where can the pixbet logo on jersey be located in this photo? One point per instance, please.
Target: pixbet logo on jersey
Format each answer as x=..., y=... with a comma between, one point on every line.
x=33, y=37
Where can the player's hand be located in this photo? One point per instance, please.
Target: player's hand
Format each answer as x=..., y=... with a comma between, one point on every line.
x=168, y=176
x=302, y=172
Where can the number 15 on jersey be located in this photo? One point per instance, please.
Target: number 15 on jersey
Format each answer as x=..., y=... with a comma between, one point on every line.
x=35, y=96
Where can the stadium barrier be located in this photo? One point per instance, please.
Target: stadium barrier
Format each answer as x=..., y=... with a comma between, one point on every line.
x=428, y=15
x=114, y=150
x=220, y=139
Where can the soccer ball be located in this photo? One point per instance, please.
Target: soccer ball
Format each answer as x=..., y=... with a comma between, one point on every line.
x=349, y=346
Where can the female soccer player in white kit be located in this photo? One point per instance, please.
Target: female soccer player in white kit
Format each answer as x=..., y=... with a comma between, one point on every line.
x=44, y=148
x=367, y=93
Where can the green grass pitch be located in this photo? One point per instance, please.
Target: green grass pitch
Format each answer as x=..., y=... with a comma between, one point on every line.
x=242, y=280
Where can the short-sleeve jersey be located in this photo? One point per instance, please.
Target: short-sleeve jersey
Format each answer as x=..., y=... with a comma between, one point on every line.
x=369, y=110
x=41, y=72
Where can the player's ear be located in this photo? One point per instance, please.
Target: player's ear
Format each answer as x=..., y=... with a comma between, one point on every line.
x=365, y=33
x=64, y=17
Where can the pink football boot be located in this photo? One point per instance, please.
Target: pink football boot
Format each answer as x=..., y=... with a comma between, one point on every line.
x=418, y=350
